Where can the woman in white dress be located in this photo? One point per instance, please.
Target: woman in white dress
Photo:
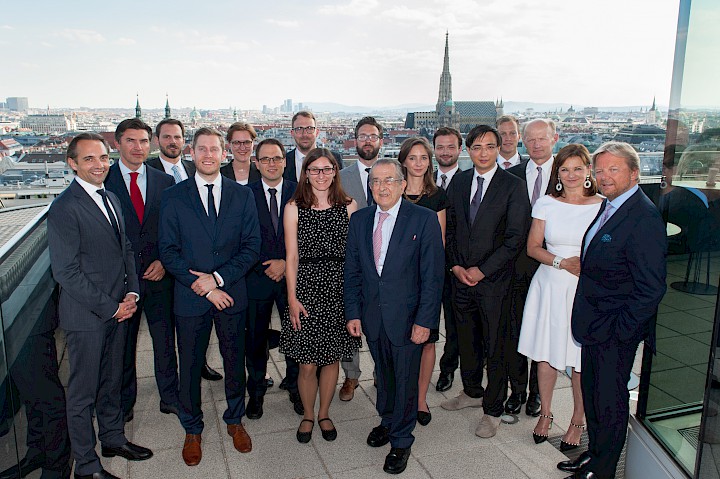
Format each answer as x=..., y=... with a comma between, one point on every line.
x=560, y=220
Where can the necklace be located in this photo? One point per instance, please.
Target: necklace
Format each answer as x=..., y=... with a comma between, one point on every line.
x=414, y=201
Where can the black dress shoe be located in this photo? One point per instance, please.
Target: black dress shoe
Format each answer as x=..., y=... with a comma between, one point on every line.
x=297, y=403
x=166, y=408
x=577, y=465
x=532, y=407
x=254, y=408
x=583, y=475
x=396, y=460
x=129, y=451
x=444, y=382
x=379, y=436
x=514, y=403
x=128, y=416
x=269, y=382
x=210, y=374
x=25, y=467
x=283, y=384
x=424, y=418
x=103, y=474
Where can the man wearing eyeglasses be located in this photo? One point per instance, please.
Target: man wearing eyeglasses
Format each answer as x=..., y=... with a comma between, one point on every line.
x=305, y=133
x=368, y=141
x=487, y=224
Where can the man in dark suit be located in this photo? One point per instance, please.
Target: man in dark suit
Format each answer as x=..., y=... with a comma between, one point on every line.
x=509, y=129
x=92, y=260
x=209, y=240
x=539, y=137
x=393, y=251
x=266, y=280
x=487, y=224
x=622, y=280
x=241, y=136
x=447, y=143
x=304, y=130
x=170, y=135
x=139, y=189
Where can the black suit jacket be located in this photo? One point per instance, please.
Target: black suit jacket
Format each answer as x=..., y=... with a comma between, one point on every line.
x=273, y=244
x=253, y=176
x=290, y=172
x=498, y=234
x=622, y=276
x=188, y=165
x=525, y=266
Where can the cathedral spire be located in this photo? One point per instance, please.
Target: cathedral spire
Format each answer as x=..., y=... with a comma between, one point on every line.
x=445, y=91
x=138, y=111
x=167, y=106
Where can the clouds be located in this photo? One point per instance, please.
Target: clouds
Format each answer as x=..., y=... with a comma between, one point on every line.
x=82, y=36
x=283, y=23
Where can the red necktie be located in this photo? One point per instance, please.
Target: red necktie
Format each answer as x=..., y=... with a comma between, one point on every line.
x=136, y=197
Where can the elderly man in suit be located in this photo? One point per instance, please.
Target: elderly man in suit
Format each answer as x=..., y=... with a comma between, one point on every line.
x=304, y=130
x=622, y=280
x=139, y=189
x=487, y=224
x=92, y=260
x=209, y=240
x=393, y=283
x=266, y=280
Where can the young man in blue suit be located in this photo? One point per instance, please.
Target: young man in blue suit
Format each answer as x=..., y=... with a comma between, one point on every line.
x=266, y=280
x=209, y=240
x=139, y=188
x=622, y=280
x=394, y=271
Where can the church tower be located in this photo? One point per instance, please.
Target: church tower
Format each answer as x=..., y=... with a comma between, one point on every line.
x=651, y=117
x=167, y=106
x=445, y=108
x=138, y=111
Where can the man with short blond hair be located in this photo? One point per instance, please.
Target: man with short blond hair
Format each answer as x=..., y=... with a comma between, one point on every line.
x=509, y=129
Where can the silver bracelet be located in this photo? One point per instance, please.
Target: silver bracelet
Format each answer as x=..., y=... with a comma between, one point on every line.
x=556, y=262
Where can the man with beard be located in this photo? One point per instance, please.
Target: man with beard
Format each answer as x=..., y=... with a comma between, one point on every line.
x=509, y=130
x=170, y=134
x=448, y=145
x=368, y=141
x=305, y=132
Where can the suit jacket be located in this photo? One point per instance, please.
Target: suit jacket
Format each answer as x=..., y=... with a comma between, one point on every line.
x=498, y=233
x=94, y=270
x=525, y=266
x=290, y=172
x=188, y=165
x=352, y=184
x=622, y=276
x=410, y=288
x=253, y=176
x=273, y=244
x=143, y=236
x=189, y=241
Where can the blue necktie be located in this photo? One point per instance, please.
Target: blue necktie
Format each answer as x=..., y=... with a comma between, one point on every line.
x=212, y=213
x=476, y=200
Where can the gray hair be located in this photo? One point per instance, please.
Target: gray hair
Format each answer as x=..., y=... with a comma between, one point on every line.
x=547, y=122
x=389, y=161
x=622, y=150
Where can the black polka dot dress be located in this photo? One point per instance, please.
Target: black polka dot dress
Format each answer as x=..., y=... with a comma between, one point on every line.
x=323, y=338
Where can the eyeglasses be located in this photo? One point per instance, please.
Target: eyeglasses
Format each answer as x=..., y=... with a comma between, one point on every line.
x=376, y=182
x=489, y=148
x=245, y=144
x=372, y=138
x=316, y=171
x=306, y=129
x=274, y=160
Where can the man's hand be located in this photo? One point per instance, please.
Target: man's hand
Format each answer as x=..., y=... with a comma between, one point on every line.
x=127, y=308
x=154, y=272
x=571, y=265
x=354, y=328
x=220, y=299
x=275, y=269
x=475, y=274
x=420, y=334
x=463, y=276
x=296, y=309
x=204, y=284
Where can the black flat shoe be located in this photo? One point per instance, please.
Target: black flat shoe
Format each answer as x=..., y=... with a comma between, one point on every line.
x=424, y=418
x=209, y=374
x=568, y=446
x=539, y=438
x=304, y=437
x=514, y=403
x=329, y=434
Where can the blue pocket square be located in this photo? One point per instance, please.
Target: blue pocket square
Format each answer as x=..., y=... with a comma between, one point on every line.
x=606, y=238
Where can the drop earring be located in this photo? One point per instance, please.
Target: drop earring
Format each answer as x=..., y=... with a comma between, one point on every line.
x=663, y=182
x=587, y=183
x=558, y=187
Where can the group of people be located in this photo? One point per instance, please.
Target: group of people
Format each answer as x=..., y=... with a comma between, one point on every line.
x=567, y=279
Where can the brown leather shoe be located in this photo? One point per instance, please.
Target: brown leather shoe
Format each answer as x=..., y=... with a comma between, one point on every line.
x=347, y=391
x=192, y=452
x=241, y=439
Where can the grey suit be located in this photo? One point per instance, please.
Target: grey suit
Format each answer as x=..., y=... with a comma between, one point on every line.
x=95, y=271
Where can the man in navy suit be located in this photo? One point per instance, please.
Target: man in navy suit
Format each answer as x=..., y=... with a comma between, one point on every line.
x=304, y=130
x=393, y=284
x=622, y=280
x=139, y=189
x=266, y=279
x=209, y=240
x=92, y=261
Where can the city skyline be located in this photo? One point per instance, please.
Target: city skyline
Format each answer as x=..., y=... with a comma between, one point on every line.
x=353, y=53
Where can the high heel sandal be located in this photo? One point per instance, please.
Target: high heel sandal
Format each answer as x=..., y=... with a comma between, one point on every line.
x=304, y=437
x=543, y=437
x=568, y=446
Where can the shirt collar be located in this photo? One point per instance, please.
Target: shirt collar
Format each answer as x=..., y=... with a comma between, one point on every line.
x=126, y=171
x=545, y=166
x=393, y=211
x=450, y=173
x=266, y=187
x=486, y=176
x=89, y=187
x=217, y=183
x=618, y=202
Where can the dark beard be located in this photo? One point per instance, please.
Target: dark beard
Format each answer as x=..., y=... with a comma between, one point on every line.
x=167, y=154
x=367, y=156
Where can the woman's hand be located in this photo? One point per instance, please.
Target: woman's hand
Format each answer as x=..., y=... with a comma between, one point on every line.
x=296, y=309
x=571, y=265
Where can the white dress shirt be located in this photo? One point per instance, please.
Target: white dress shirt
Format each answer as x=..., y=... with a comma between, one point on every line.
x=487, y=177
x=217, y=191
x=168, y=168
x=141, y=179
x=449, y=175
x=278, y=195
x=299, y=158
x=387, y=230
x=531, y=175
x=91, y=190
x=514, y=160
x=364, y=176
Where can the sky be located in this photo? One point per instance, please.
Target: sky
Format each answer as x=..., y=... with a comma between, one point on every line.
x=244, y=54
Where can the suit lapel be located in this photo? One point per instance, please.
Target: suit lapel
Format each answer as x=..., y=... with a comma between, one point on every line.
x=397, y=234
x=613, y=221
x=491, y=193
x=151, y=194
x=369, y=240
x=197, y=205
x=226, y=194
x=465, y=187
x=94, y=211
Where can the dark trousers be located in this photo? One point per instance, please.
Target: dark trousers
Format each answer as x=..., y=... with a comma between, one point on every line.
x=158, y=308
x=259, y=313
x=193, y=333
x=397, y=369
x=450, y=358
x=95, y=360
x=516, y=364
x=480, y=326
x=606, y=371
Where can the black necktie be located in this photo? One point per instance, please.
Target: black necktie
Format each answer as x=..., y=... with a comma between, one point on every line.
x=370, y=201
x=109, y=210
x=273, y=208
x=212, y=213
x=476, y=200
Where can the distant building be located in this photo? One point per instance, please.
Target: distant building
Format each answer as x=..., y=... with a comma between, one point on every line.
x=167, y=107
x=17, y=103
x=138, y=110
x=49, y=123
x=9, y=147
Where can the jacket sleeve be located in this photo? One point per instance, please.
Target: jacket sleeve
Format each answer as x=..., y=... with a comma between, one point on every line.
x=238, y=266
x=352, y=288
x=432, y=276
